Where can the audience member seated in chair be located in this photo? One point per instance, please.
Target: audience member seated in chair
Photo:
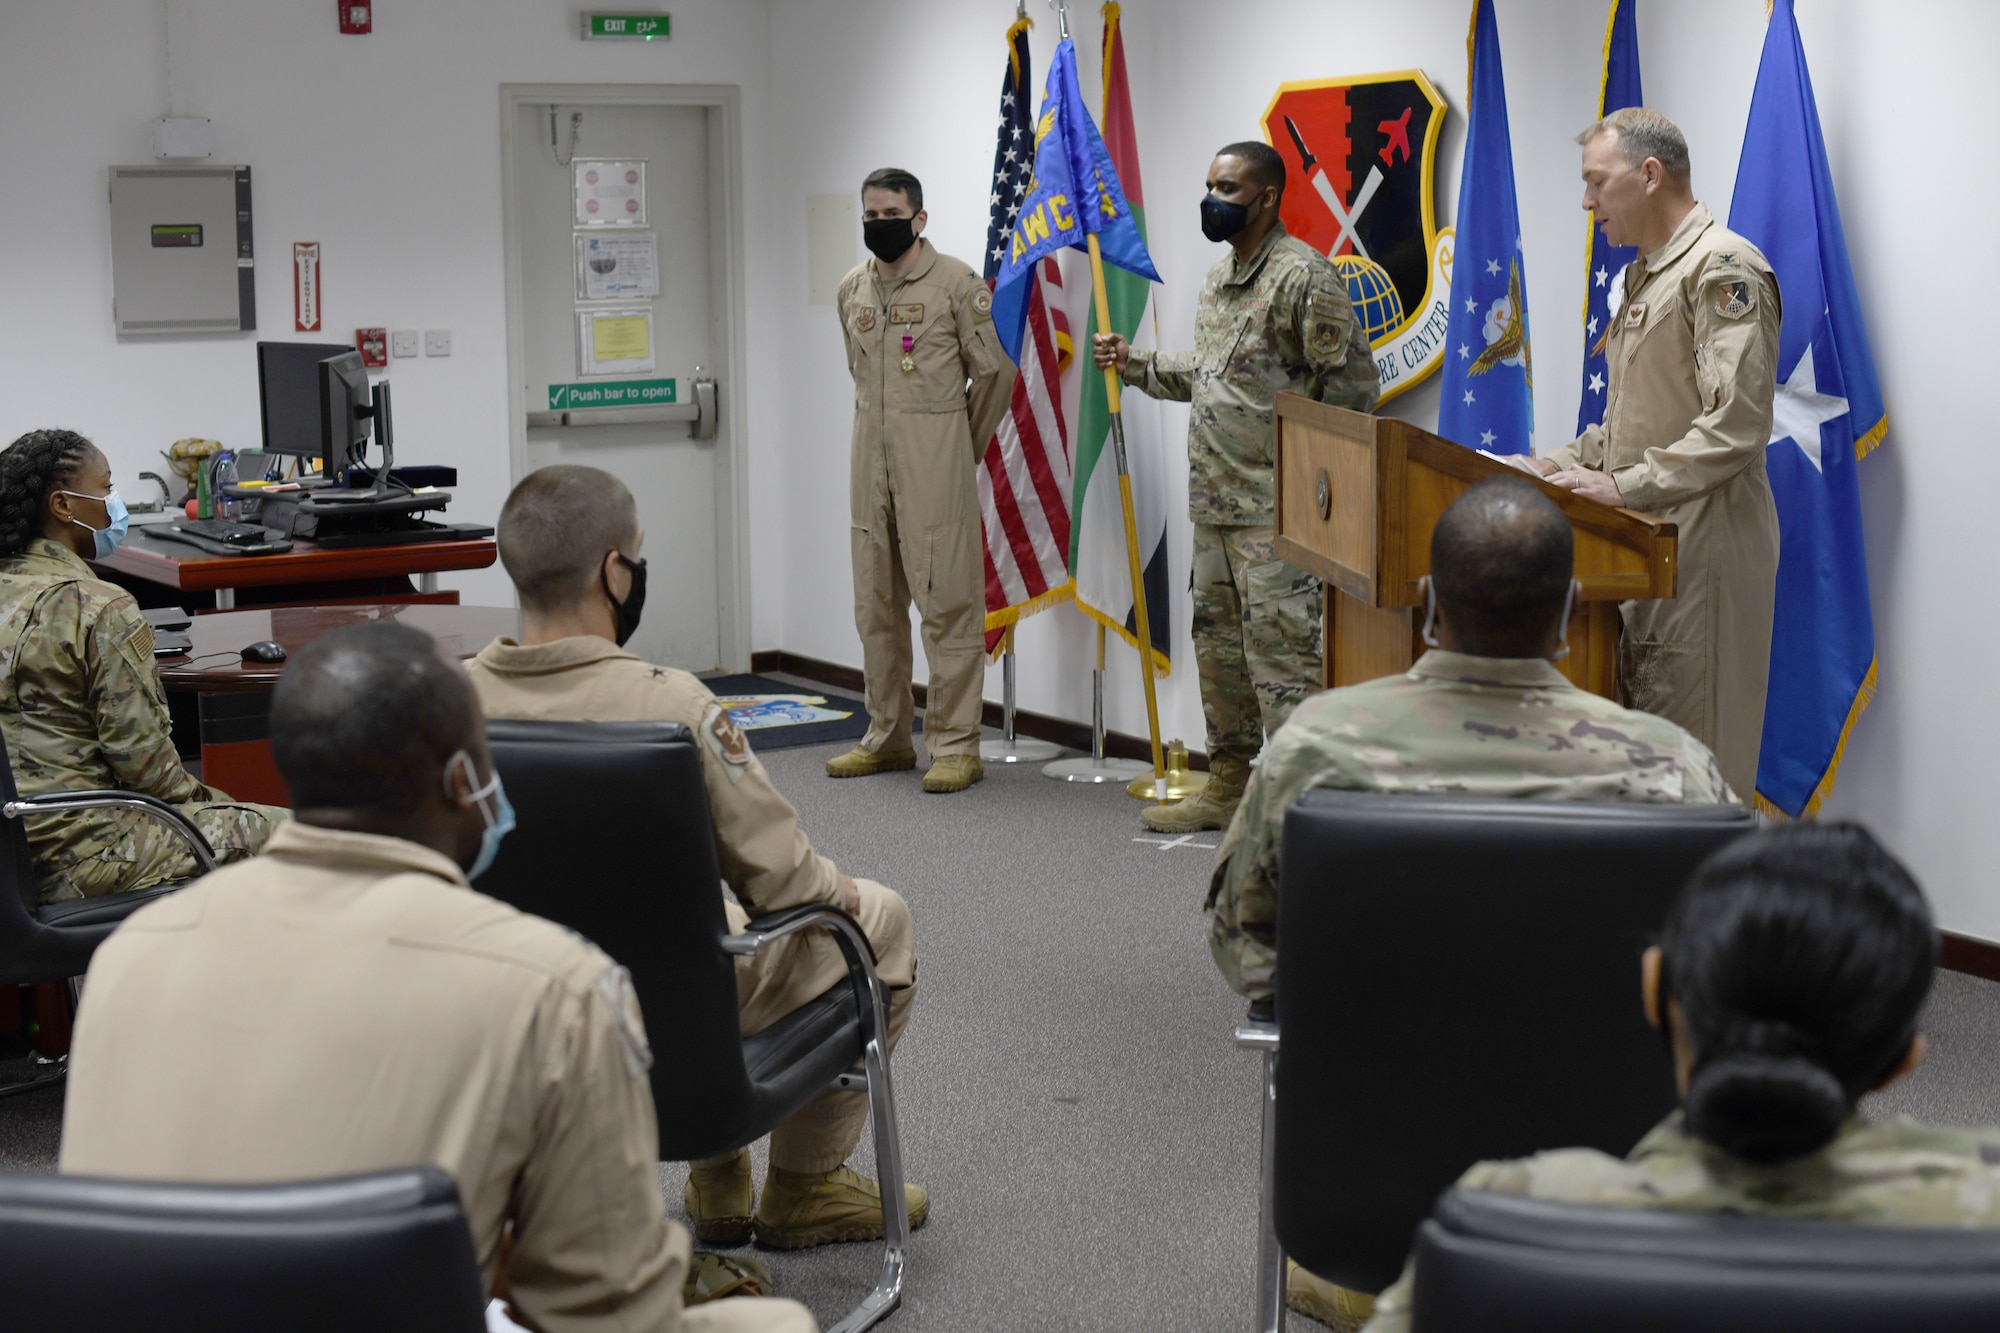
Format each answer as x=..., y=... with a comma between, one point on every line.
x=81, y=703
x=1788, y=982
x=570, y=539
x=1485, y=712
x=346, y=1002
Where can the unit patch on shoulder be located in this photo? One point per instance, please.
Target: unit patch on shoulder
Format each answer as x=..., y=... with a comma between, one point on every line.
x=1734, y=298
x=864, y=320
x=982, y=302
x=720, y=734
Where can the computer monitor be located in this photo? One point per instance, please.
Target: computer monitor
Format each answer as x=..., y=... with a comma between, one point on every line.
x=288, y=387
x=346, y=410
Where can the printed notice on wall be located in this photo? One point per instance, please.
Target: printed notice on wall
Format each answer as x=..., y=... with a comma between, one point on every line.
x=610, y=192
x=614, y=342
x=615, y=267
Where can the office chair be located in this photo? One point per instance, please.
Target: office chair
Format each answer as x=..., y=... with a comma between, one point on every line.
x=613, y=840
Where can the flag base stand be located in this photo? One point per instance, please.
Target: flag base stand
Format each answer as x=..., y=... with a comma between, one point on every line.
x=1010, y=748
x=1095, y=767
x=1182, y=782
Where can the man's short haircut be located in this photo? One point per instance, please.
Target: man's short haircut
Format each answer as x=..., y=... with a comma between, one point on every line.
x=1643, y=134
x=1265, y=164
x=1501, y=561
x=895, y=178
x=366, y=718
x=557, y=527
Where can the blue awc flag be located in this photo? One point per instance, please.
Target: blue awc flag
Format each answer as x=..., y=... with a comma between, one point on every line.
x=1488, y=400
x=1618, y=90
x=1074, y=193
x=1829, y=413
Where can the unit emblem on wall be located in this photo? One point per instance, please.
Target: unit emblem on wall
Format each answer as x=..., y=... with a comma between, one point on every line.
x=1360, y=156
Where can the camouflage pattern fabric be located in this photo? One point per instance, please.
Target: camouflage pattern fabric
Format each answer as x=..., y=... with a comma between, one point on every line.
x=1278, y=322
x=1256, y=642
x=82, y=707
x=1896, y=1173
x=1482, y=726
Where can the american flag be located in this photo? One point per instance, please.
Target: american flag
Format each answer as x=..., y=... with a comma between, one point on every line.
x=1024, y=478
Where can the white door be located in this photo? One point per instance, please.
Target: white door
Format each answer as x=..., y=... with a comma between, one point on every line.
x=680, y=489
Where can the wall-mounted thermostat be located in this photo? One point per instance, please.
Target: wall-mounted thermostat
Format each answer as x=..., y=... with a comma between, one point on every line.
x=181, y=253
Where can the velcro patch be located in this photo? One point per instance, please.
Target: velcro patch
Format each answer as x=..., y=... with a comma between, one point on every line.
x=721, y=735
x=913, y=313
x=1735, y=298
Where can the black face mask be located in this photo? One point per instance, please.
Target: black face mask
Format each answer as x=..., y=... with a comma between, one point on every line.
x=635, y=601
x=1220, y=219
x=887, y=238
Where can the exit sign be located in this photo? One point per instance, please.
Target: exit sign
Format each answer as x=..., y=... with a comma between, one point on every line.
x=626, y=27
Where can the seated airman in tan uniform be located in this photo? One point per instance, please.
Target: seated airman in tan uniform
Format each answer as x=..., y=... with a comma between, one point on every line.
x=570, y=539
x=346, y=1003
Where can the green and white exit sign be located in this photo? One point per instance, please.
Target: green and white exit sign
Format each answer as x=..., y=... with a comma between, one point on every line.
x=626, y=27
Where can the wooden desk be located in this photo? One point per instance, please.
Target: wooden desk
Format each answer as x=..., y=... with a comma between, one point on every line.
x=234, y=696
x=184, y=569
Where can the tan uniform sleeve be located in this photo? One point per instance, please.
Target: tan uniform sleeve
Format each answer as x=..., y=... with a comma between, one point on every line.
x=593, y=1249
x=134, y=731
x=1736, y=320
x=763, y=852
x=990, y=373
x=1168, y=376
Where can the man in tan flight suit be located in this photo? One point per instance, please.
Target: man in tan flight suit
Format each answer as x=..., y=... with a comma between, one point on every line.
x=346, y=1002
x=931, y=382
x=564, y=536
x=1692, y=349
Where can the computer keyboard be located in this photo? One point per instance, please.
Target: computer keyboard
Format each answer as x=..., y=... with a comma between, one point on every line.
x=224, y=530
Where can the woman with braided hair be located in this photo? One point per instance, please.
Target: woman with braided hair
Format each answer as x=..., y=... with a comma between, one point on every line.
x=1787, y=984
x=81, y=704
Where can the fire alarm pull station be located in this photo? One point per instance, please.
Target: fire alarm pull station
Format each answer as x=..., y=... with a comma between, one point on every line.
x=373, y=344
x=356, y=16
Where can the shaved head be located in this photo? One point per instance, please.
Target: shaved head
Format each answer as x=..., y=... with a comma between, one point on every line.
x=555, y=530
x=1501, y=561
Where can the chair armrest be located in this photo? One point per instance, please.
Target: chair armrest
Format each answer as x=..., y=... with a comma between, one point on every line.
x=869, y=993
x=60, y=802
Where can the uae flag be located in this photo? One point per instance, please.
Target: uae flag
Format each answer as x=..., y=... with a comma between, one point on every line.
x=1097, y=558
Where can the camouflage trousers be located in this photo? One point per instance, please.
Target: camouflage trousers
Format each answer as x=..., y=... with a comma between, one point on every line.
x=1256, y=640
x=128, y=850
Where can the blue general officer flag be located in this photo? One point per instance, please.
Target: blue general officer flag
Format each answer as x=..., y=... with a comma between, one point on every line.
x=1074, y=193
x=1488, y=397
x=1828, y=413
x=1618, y=90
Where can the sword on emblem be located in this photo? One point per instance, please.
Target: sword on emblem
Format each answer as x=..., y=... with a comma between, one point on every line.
x=1347, y=219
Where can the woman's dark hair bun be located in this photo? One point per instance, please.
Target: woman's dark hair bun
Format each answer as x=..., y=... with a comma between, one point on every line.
x=1765, y=1108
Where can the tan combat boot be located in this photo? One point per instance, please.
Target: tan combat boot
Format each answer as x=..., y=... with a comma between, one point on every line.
x=718, y=1199
x=1314, y=1297
x=1211, y=807
x=801, y=1208
x=954, y=772
x=860, y=762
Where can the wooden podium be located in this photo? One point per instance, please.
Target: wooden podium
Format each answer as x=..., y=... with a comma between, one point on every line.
x=1357, y=497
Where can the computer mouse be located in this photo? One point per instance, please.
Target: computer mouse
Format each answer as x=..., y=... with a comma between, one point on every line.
x=264, y=651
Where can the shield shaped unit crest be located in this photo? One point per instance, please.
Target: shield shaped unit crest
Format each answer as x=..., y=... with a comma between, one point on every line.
x=1360, y=156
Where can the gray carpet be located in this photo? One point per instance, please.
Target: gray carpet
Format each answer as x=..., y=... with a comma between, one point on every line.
x=1068, y=1090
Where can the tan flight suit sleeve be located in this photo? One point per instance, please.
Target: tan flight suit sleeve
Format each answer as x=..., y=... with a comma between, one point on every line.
x=986, y=365
x=1168, y=376
x=764, y=855
x=593, y=1249
x=134, y=732
x=1736, y=373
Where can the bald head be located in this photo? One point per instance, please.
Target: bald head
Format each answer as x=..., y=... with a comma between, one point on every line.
x=1501, y=561
x=555, y=530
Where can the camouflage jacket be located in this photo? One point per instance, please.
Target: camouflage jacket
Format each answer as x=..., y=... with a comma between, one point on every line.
x=81, y=703
x=1896, y=1173
x=1482, y=726
x=1278, y=323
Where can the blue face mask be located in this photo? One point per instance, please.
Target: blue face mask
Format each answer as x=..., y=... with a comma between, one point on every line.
x=499, y=817
x=110, y=537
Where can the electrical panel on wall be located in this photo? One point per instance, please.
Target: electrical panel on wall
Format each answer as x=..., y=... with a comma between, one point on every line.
x=181, y=255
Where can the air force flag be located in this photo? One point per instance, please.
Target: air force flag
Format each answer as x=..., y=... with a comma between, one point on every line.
x=1828, y=414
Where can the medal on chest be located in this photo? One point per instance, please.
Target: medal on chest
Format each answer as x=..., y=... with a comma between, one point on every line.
x=909, y=346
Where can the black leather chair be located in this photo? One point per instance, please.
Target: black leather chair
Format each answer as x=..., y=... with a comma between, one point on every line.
x=1500, y=1263
x=47, y=942
x=389, y=1253
x=613, y=840
x=1457, y=980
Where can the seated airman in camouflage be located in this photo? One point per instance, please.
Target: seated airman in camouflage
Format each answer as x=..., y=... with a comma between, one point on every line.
x=81, y=704
x=1485, y=712
x=1789, y=981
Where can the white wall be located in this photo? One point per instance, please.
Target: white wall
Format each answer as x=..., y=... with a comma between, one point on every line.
x=407, y=206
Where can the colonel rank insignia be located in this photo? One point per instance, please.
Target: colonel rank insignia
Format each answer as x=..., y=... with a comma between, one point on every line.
x=1366, y=146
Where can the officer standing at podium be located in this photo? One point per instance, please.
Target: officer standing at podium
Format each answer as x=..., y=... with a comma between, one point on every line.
x=1692, y=350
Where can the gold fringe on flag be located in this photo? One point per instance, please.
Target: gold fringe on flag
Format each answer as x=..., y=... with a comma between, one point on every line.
x=1862, y=697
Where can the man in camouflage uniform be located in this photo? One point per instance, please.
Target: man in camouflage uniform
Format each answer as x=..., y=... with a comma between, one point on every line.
x=82, y=708
x=1273, y=317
